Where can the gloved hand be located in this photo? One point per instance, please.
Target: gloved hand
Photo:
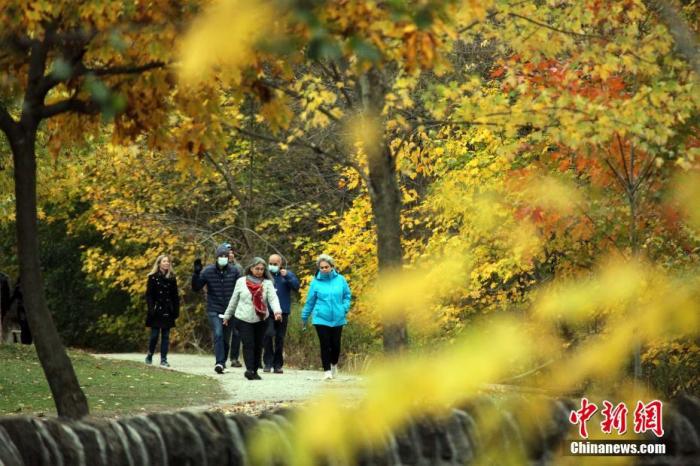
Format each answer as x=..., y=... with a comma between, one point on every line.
x=197, y=265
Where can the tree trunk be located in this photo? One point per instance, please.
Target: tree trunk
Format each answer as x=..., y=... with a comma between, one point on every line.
x=385, y=198
x=69, y=398
x=386, y=208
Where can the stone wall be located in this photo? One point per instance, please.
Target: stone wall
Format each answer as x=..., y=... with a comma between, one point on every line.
x=211, y=438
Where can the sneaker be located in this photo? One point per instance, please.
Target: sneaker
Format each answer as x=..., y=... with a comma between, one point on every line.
x=278, y=370
x=256, y=376
x=164, y=364
x=327, y=375
x=267, y=369
x=249, y=375
x=219, y=369
x=334, y=370
x=149, y=359
x=235, y=363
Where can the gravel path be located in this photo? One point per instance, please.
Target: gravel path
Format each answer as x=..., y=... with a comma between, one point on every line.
x=292, y=386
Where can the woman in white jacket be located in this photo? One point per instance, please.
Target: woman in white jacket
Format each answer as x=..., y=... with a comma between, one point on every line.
x=254, y=292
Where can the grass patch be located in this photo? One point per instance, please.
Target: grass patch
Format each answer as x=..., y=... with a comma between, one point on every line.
x=113, y=388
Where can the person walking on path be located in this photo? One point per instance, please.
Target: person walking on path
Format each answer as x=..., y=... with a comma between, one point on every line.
x=220, y=280
x=249, y=303
x=163, y=302
x=328, y=299
x=285, y=282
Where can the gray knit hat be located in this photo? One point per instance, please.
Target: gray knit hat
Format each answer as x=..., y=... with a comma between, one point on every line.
x=223, y=249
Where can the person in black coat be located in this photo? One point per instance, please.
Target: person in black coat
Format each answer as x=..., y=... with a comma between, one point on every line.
x=163, y=302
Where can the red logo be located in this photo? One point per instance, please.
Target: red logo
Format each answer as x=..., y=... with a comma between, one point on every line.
x=647, y=417
x=614, y=418
x=582, y=416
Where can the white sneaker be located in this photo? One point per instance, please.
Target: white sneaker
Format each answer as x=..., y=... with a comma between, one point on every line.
x=327, y=375
x=334, y=370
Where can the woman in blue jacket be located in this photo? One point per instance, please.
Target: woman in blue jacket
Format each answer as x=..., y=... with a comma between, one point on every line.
x=328, y=300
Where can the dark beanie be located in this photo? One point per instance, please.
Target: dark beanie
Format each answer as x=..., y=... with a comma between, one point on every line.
x=222, y=249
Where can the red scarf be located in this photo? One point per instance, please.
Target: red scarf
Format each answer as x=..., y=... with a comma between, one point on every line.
x=256, y=289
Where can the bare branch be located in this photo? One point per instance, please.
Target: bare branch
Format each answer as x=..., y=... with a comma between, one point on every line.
x=556, y=29
x=629, y=173
x=347, y=161
x=646, y=171
x=620, y=179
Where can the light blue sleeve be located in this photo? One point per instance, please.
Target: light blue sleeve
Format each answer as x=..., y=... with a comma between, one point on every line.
x=310, y=301
x=347, y=296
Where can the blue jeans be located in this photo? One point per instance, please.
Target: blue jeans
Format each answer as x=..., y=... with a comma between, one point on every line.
x=222, y=337
x=164, y=342
x=235, y=341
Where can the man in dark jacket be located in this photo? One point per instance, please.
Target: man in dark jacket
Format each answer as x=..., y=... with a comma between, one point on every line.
x=220, y=279
x=285, y=283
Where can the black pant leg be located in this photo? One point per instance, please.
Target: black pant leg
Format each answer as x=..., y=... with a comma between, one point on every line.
x=153, y=340
x=259, y=335
x=324, y=340
x=280, y=333
x=164, y=343
x=248, y=338
x=269, y=353
x=336, y=333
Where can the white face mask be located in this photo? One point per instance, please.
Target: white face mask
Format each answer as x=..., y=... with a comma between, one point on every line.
x=222, y=261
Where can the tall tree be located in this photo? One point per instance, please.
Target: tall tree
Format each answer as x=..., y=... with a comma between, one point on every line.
x=70, y=61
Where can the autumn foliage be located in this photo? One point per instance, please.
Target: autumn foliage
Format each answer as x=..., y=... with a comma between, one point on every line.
x=543, y=156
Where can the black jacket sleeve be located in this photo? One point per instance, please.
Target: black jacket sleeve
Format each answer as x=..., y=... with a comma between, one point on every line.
x=175, y=299
x=150, y=293
x=199, y=280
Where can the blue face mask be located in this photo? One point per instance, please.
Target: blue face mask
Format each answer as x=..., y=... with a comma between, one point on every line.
x=326, y=274
x=273, y=268
x=222, y=261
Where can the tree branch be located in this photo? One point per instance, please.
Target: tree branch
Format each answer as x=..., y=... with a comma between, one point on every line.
x=556, y=29
x=333, y=74
x=7, y=124
x=225, y=174
x=126, y=69
x=307, y=145
x=620, y=179
x=86, y=107
x=628, y=174
x=36, y=85
x=297, y=96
